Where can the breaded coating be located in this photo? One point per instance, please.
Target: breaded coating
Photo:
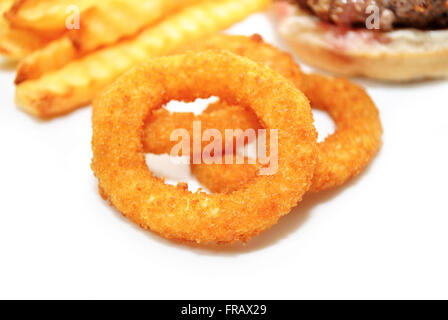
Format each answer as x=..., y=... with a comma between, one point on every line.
x=358, y=136
x=342, y=155
x=174, y=212
x=161, y=124
x=254, y=48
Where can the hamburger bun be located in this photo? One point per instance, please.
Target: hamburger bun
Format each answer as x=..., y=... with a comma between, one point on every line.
x=400, y=55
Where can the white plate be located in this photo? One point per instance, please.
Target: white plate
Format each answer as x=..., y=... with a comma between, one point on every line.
x=383, y=235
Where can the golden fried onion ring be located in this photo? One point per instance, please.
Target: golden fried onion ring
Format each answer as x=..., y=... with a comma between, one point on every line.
x=174, y=212
x=161, y=123
x=342, y=155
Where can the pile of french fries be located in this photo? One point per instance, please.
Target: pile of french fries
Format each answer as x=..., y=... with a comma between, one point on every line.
x=68, y=51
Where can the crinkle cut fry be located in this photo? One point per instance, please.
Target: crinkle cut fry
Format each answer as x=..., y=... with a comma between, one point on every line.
x=103, y=24
x=76, y=84
x=44, y=16
x=17, y=43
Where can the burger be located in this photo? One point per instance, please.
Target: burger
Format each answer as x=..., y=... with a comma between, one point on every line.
x=394, y=40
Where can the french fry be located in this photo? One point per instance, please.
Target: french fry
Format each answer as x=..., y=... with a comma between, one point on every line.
x=112, y=20
x=77, y=83
x=5, y=5
x=51, y=57
x=15, y=44
x=101, y=25
x=44, y=15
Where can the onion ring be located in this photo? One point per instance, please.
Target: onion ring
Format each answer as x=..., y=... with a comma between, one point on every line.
x=161, y=123
x=174, y=212
x=342, y=155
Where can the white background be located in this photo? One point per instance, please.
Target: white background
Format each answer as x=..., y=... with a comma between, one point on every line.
x=383, y=235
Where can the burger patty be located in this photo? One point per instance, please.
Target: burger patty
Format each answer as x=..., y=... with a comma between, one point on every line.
x=421, y=14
